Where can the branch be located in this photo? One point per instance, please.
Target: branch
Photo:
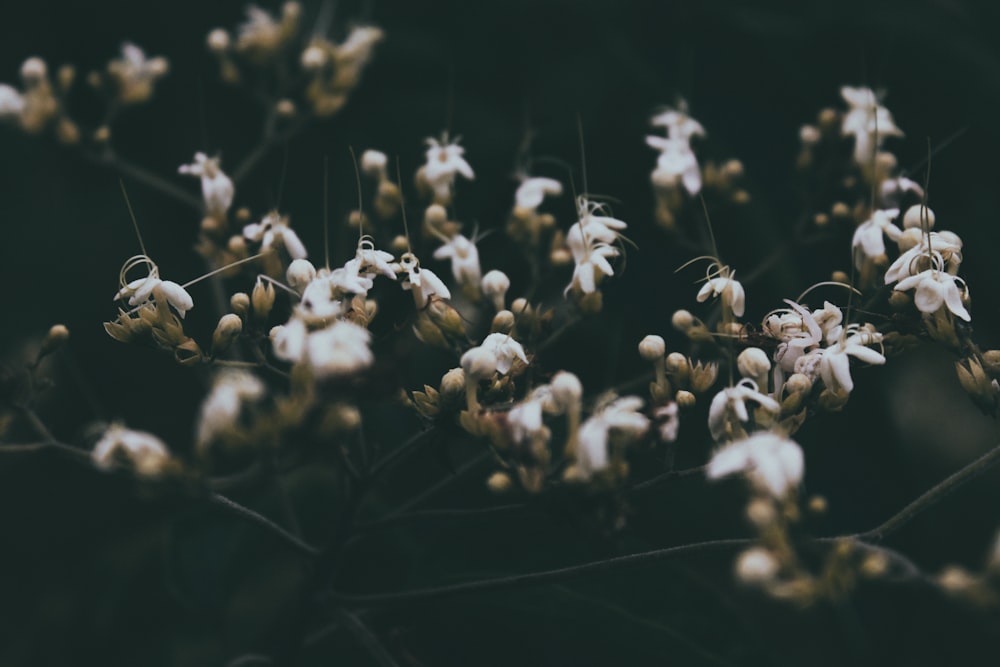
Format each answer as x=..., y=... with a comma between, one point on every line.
x=367, y=638
x=536, y=578
x=111, y=159
x=932, y=496
x=234, y=507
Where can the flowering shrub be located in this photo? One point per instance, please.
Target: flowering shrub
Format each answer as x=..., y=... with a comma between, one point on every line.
x=403, y=362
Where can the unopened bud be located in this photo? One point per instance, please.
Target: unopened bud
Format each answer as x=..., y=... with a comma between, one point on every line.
x=478, y=363
x=703, y=376
x=218, y=40
x=300, y=273
x=503, y=322
x=262, y=299
x=754, y=363
x=499, y=482
x=453, y=382
x=756, y=566
x=652, y=348
x=685, y=399
x=56, y=337
x=495, y=285
x=916, y=215
x=229, y=328
x=240, y=303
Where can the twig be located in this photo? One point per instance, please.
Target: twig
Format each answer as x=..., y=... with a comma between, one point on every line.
x=111, y=159
x=932, y=496
x=366, y=638
x=234, y=507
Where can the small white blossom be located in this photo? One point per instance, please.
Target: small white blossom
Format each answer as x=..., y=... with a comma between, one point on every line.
x=272, y=231
x=934, y=290
x=288, y=341
x=373, y=163
x=678, y=124
x=723, y=285
x=834, y=366
x=943, y=250
x=676, y=165
x=11, y=102
x=340, y=349
x=144, y=450
x=423, y=282
x=142, y=290
x=774, y=464
x=444, y=161
x=621, y=416
x=506, y=350
x=464, y=259
x=731, y=403
x=216, y=188
x=532, y=191
x=757, y=566
x=868, y=242
x=221, y=409
x=866, y=117
x=135, y=74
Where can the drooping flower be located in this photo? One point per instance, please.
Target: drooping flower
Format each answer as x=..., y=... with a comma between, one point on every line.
x=464, y=260
x=868, y=242
x=143, y=450
x=143, y=290
x=532, y=192
x=622, y=416
x=423, y=282
x=676, y=164
x=725, y=286
x=935, y=289
x=865, y=119
x=773, y=464
x=216, y=188
x=444, y=160
x=273, y=231
x=221, y=409
x=730, y=404
x=506, y=350
x=834, y=366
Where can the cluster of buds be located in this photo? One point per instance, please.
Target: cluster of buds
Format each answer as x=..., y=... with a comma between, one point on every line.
x=40, y=104
x=388, y=198
x=335, y=69
x=260, y=40
x=526, y=224
x=131, y=79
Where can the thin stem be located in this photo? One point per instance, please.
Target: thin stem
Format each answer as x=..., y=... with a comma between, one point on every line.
x=434, y=488
x=397, y=454
x=234, y=507
x=671, y=474
x=75, y=452
x=366, y=638
x=109, y=158
x=932, y=496
x=536, y=578
x=37, y=424
x=439, y=515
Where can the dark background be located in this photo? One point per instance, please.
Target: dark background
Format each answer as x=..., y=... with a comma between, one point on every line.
x=100, y=571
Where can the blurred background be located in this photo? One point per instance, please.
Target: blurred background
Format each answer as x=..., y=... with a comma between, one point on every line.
x=101, y=571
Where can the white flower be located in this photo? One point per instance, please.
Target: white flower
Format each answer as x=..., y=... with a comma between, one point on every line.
x=935, y=289
x=321, y=297
x=11, y=101
x=145, y=451
x=669, y=420
x=359, y=43
x=136, y=74
x=622, y=416
x=221, y=410
x=723, y=285
x=373, y=163
x=142, y=290
x=893, y=191
x=216, y=188
x=273, y=230
x=444, y=161
x=592, y=267
x=339, y=350
x=424, y=282
x=942, y=250
x=372, y=262
x=731, y=403
x=679, y=125
x=288, y=341
x=773, y=464
x=863, y=119
x=676, y=164
x=868, y=242
x=525, y=418
x=464, y=259
x=506, y=350
x=834, y=366
x=532, y=191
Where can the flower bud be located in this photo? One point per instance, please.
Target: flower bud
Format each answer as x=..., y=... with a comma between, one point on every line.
x=756, y=566
x=703, y=376
x=503, y=322
x=218, y=40
x=262, y=299
x=566, y=389
x=479, y=363
x=240, y=303
x=754, y=363
x=915, y=216
x=499, y=482
x=910, y=238
x=652, y=348
x=300, y=273
x=685, y=399
x=33, y=70
x=229, y=328
x=495, y=285
x=57, y=336
x=453, y=382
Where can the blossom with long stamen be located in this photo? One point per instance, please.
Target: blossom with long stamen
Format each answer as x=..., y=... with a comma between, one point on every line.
x=143, y=290
x=216, y=187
